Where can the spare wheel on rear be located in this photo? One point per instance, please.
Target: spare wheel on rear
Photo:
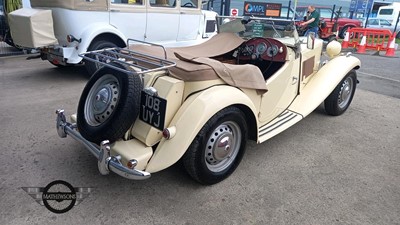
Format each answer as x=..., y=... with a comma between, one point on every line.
x=109, y=104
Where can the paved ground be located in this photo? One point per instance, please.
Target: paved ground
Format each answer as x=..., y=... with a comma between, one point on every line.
x=324, y=170
x=6, y=50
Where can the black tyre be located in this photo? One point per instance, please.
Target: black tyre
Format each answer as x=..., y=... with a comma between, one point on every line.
x=109, y=105
x=343, y=32
x=218, y=148
x=92, y=67
x=340, y=98
x=332, y=38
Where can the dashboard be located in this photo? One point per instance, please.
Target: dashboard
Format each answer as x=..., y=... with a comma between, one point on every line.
x=263, y=49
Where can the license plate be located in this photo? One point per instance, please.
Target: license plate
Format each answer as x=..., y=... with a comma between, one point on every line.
x=152, y=110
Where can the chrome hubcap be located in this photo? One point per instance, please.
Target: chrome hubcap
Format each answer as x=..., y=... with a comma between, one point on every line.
x=223, y=146
x=102, y=100
x=345, y=92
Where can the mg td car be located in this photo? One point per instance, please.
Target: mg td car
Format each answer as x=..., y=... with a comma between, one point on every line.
x=149, y=107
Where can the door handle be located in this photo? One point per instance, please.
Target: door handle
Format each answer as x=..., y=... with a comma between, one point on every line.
x=114, y=10
x=294, y=80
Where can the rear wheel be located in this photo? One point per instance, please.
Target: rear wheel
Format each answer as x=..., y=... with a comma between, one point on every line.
x=344, y=30
x=340, y=98
x=218, y=148
x=92, y=67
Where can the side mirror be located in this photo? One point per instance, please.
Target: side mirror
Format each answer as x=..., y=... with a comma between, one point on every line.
x=310, y=40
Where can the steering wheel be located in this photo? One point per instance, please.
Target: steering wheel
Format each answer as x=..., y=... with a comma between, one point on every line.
x=189, y=5
x=256, y=48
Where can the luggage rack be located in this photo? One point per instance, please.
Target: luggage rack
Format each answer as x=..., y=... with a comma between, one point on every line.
x=139, y=63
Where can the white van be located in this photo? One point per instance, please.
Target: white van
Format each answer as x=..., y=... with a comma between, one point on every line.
x=390, y=12
x=63, y=29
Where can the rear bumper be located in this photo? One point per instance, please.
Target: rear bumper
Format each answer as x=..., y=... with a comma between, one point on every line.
x=61, y=55
x=106, y=162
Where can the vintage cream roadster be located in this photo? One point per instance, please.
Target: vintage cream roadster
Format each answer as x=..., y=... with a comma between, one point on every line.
x=149, y=107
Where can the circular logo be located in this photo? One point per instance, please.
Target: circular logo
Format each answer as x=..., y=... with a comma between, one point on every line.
x=59, y=196
x=248, y=7
x=234, y=12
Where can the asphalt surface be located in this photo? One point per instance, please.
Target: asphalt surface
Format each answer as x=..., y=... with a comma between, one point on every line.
x=323, y=170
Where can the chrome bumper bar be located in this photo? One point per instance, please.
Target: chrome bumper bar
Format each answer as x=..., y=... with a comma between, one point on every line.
x=106, y=162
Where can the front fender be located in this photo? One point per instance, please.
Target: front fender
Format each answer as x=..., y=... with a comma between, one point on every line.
x=323, y=83
x=89, y=34
x=190, y=118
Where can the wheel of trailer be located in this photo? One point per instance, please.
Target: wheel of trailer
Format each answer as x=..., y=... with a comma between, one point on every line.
x=398, y=35
x=340, y=98
x=109, y=105
x=92, y=67
x=218, y=148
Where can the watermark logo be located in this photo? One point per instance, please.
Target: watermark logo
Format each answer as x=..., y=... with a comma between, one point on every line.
x=59, y=196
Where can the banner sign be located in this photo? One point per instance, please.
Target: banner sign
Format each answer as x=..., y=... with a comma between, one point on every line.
x=262, y=9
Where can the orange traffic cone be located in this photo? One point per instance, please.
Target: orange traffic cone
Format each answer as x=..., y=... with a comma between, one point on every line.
x=345, y=43
x=390, y=50
x=361, y=47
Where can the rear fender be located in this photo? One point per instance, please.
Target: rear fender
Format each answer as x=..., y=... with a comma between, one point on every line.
x=323, y=83
x=90, y=34
x=190, y=118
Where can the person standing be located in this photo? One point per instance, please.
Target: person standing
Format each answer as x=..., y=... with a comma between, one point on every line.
x=312, y=21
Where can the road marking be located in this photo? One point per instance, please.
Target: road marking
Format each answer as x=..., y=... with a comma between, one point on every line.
x=377, y=76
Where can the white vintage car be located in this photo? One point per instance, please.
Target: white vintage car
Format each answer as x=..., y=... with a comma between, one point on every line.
x=63, y=29
x=151, y=106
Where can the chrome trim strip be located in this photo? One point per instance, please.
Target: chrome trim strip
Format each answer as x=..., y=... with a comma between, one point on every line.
x=287, y=117
x=106, y=162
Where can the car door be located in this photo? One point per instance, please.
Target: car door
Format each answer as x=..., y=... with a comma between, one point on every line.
x=162, y=21
x=190, y=17
x=283, y=87
x=385, y=24
x=129, y=17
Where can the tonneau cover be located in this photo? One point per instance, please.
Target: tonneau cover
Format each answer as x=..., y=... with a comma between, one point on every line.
x=195, y=63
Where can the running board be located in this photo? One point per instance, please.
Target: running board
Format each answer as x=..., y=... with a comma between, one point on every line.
x=279, y=124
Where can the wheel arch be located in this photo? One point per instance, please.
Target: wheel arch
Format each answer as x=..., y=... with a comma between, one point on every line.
x=107, y=32
x=201, y=106
x=109, y=37
x=250, y=120
x=347, y=25
x=323, y=83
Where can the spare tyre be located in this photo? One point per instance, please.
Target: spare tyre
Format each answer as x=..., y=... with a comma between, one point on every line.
x=109, y=104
